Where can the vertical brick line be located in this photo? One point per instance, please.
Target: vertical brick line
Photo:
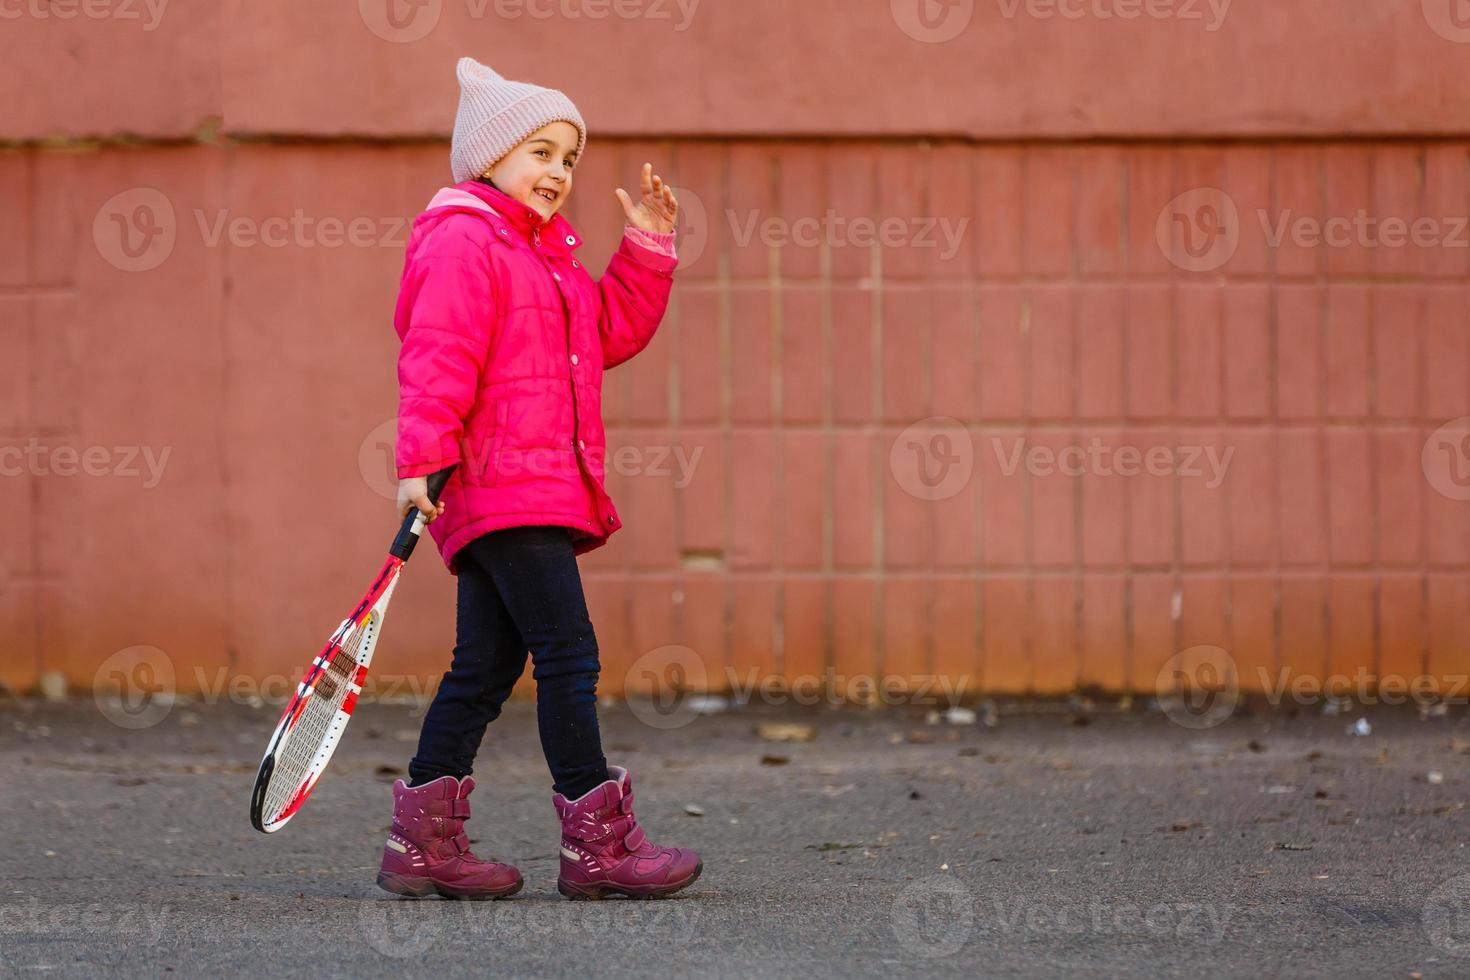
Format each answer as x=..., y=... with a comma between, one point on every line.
x=977, y=532
x=1074, y=264
x=1374, y=426
x=33, y=385
x=977, y=319
x=1027, y=511
x=1226, y=432
x=225, y=405
x=926, y=380
x=1273, y=404
x=1129, y=658
x=727, y=439
x=875, y=462
x=1176, y=606
x=1322, y=277
x=778, y=436
x=829, y=450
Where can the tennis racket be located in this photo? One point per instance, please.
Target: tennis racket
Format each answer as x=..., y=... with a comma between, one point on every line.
x=317, y=715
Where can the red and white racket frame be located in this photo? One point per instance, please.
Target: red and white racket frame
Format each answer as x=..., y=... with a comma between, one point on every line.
x=368, y=615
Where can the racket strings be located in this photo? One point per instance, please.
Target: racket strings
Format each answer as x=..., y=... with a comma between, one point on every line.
x=305, y=739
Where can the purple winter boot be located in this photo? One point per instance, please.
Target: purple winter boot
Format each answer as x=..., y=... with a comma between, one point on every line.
x=604, y=850
x=428, y=852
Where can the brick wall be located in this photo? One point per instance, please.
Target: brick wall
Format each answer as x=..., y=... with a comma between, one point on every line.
x=1311, y=539
x=891, y=423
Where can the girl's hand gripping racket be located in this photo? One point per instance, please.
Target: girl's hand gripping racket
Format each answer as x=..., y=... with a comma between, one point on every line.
x=314, y=720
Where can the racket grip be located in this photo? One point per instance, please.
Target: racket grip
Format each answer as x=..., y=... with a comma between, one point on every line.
x=438, y=480
x=413, y=524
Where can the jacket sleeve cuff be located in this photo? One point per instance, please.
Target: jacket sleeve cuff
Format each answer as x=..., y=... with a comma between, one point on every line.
x=650, y=248
x=420, y=457
x=406, y=470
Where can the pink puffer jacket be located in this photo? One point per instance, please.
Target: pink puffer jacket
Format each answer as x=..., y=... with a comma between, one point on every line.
x=505, y=338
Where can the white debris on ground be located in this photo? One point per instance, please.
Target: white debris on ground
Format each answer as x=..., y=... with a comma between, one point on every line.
x=707, y=704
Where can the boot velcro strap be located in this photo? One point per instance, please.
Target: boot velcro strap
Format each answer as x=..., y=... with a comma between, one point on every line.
x=461, y=842
x=635, y=838
x=455, y=809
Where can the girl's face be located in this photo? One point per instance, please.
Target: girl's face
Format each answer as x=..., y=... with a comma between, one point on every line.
x=538, y=172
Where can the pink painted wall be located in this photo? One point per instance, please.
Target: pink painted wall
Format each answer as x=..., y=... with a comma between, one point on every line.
x=804, y=374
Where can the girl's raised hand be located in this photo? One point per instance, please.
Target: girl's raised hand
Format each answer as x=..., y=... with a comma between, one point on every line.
x=657, y=209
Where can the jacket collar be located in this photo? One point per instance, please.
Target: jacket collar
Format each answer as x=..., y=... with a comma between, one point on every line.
x=506, y=212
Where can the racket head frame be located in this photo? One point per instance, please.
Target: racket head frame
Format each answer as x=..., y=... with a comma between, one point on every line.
x=373, y=604
x=369, y=614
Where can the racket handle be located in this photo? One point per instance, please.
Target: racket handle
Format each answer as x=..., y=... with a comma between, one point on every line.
x=413, y=524
x=438, y=480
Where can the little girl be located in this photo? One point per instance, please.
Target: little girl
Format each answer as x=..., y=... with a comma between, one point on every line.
x=505, y=338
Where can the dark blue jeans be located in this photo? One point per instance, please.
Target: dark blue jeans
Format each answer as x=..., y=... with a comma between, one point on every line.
x=519, y=591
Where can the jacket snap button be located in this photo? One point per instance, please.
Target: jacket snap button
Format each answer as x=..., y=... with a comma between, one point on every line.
x=582, y=444
x=571, y=240
x=575, y=265
x=556, y=276
x=574, y=358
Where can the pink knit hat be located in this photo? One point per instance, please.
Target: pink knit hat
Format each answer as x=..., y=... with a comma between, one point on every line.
x=496, y=114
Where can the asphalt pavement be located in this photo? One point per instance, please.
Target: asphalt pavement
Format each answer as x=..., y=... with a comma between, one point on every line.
x=1114, y=843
